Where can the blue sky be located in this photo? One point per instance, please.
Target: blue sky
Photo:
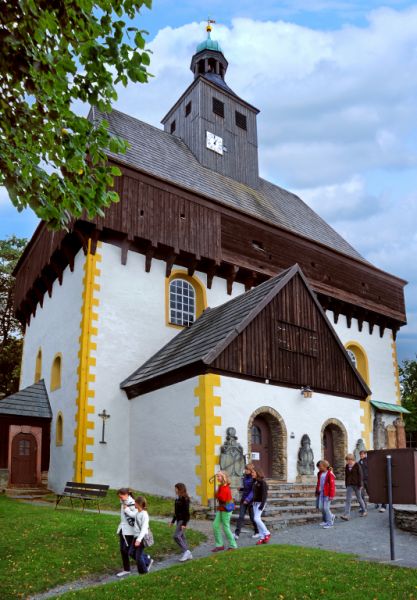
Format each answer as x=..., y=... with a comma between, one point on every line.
x=335, y=82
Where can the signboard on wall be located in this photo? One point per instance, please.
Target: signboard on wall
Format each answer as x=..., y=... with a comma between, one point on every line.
x=255, y=456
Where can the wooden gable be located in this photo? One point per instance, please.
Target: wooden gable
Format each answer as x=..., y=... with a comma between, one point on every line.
x=291, y=342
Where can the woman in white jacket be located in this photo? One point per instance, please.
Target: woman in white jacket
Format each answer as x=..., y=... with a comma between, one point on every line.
x=126, y=530
x=143, y=561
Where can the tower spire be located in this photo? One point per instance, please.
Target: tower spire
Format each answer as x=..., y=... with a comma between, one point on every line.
x=209, y=58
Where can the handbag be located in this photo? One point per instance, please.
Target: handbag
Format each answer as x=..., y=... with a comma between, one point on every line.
x=148, y=539
x=229, y=506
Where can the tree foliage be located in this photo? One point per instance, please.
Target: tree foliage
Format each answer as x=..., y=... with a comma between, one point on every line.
x=10, y=330
x=408, y=381
x=52, y=55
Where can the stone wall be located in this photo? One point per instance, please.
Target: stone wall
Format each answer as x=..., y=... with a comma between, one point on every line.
x=406, y=517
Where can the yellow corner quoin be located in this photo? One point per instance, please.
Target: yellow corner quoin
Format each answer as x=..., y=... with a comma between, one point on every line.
x=200, y=294
x=396, y=373
x=363, y=368
x=85, y=391
x=206, y=432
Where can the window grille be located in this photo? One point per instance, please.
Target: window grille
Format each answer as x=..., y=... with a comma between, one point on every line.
x=256, y=435
x=240, y=120
x=182, y=302
x=352, y=357
x=187, y=109
x=173, y=126
x=218, y=107
x=24, y=448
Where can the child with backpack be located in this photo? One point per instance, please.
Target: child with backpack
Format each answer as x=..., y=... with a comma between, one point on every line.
x=246, y=494
x=224, y=513
x=181, y=518
x=125, y=530
x=141, y=529
x=260, y=494
x=325, y=492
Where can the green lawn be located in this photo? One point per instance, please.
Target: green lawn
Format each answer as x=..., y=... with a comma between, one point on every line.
x=41, y=548
x=158, y=505
x=273, y=572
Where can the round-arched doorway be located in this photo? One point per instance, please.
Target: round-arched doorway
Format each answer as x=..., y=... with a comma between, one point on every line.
x=334, y=445
x=267, y=442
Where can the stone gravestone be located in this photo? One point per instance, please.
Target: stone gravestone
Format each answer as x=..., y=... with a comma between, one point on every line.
x=380, y=436
x=360, y=445
x=400, y=428
x=305, y=462
x=391, y=436
x=232, y=459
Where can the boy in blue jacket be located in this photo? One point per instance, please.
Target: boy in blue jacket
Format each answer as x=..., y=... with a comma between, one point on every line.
x=246, y=495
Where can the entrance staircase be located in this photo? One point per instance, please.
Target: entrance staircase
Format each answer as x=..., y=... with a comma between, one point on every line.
x=26, y=492
x=295, y=504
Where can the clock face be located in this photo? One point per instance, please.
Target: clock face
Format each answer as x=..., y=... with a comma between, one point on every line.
x=214, y=142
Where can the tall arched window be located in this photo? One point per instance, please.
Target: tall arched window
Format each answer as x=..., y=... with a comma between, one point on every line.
x=59, y=433
x=256, y=435
x=38, y=366
x=56, y=373
x=186, y=299
x=359, y=359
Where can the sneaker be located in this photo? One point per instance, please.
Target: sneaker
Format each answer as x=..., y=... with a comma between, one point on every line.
x=218, y=549
x=382, y=509
x=259, y=542
x=150, y=565
x=123, y=573
x=345, y=517
x=186, y=556
x=256, y=536
x=266, y=538
x=323, y=523
x=328, y=526
x=333, y=519
x=364, y=514
x=231, y=548
x=236, y=536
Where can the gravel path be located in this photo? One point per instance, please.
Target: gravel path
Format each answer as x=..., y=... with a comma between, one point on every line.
x=367, y=537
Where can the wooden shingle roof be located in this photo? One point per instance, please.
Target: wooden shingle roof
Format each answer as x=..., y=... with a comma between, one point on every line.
x=163, y=155
x=194, y=350
x=32, y=401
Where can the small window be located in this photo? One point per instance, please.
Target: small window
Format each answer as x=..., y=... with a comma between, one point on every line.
x=256, y=435
x=240, y=120
x=352, y=357
x=24, y=448
x=56, y=373
x=173, y=126
x=187, y=109
x=218, y=107
x=182, y=302
x=38, y=366
x=59, y=434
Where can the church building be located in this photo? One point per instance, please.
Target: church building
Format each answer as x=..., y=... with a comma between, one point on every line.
x=207, y=299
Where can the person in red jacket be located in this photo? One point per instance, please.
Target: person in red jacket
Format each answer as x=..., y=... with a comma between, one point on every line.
x=325, y=492
x=224, y=513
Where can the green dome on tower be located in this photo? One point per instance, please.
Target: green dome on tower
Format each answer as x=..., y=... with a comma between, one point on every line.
x=209, y=44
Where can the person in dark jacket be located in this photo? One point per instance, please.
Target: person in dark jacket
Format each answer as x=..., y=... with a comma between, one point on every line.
x=246, y=495
x=363, y=462
x=260, y=494
x=181, y=518
x=354, y=484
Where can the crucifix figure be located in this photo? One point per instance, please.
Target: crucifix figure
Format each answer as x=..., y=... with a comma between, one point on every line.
x=103, y=415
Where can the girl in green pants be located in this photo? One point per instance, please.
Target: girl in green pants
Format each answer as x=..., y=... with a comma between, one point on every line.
x=224, y=513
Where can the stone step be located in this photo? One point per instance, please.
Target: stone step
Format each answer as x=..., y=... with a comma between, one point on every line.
x=299, y=501
x=272, y=510
x=26, y=492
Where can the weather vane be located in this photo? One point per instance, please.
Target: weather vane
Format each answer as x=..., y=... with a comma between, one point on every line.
x=209, y=24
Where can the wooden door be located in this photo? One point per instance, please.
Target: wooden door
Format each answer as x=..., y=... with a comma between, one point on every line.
x=328, y=446
x=261, y=445
x=24, y=454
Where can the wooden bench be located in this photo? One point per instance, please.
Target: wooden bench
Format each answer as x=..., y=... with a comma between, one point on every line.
x=84, y=492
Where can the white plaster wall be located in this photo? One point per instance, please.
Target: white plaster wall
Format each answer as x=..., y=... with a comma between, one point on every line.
x=163, y=441
x=56, y=328
x=379, y=352
x=301, y=415
x=131, y=328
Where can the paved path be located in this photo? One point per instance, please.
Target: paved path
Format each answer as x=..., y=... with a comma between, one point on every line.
x=368, y=537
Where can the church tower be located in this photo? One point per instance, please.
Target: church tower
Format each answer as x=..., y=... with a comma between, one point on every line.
x=218, y=126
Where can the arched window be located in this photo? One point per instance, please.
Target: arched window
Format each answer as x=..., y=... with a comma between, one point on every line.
x=359, y=359
x=256, y=435
x=38, y=366
x=56, y=373
x=59, y=433
x=352, y=357
x=186, y=299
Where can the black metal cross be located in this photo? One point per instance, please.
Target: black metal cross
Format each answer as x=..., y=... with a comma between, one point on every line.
x=103, y=415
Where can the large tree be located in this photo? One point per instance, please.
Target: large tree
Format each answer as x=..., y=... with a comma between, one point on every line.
x=10, y=330
x=408, y=380
x=52, y=55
